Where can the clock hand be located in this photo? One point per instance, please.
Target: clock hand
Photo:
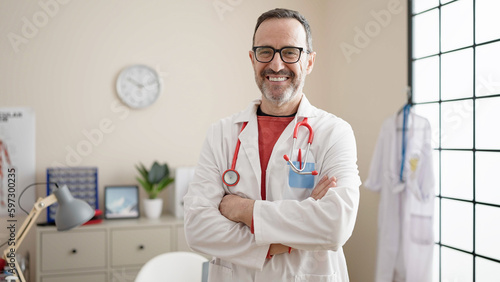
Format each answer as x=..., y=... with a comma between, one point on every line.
x=151, y=85
x=135, y=83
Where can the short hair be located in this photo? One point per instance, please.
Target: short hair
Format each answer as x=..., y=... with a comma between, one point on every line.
x=280, y=13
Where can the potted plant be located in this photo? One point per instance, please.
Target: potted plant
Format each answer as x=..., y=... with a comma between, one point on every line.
x=154, y=181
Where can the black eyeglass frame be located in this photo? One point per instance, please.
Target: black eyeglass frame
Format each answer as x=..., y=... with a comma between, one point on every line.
x=254, y=48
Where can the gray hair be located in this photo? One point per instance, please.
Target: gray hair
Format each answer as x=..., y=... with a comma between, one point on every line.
x=280, y=13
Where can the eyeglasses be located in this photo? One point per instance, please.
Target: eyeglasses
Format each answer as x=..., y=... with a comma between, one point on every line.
x=289, y=55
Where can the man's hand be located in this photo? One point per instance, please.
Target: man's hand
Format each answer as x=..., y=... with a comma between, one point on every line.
x=237, y=209
x=276, y=249
x=322, y=187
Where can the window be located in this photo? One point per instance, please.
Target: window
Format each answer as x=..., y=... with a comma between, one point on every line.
x=454, y=73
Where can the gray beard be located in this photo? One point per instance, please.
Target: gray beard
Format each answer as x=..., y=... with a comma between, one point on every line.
x=282, y=97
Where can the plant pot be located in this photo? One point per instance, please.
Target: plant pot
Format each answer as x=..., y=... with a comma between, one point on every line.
x=153, y=207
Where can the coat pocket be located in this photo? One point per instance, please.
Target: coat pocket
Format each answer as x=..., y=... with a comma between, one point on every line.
x=296, y=180
x=219, y=273
x=421, y=229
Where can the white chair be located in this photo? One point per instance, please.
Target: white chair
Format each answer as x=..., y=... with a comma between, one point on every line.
x=173, y=266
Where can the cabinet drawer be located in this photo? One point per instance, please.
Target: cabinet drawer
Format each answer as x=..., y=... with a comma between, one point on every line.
x=73, y=250
x=137, y=246
x=94, y=277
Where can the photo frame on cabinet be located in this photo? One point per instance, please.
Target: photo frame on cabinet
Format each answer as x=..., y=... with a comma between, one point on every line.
x=121, y=201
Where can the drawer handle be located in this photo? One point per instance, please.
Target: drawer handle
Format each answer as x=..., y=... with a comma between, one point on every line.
x=141, y=247
x=74, y=251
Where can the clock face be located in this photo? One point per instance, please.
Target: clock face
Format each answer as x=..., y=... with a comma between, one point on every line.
x=138, y=86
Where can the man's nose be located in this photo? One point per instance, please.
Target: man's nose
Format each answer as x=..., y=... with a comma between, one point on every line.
x=277, y=63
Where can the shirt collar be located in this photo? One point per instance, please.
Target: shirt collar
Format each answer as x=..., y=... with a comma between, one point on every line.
x=305, y=110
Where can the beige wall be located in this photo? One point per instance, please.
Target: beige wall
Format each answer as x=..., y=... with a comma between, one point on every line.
x=367, y=86
x=66, y=70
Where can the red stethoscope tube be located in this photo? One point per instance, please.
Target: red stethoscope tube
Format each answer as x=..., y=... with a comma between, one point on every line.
x=231, y=177
x=309, y=142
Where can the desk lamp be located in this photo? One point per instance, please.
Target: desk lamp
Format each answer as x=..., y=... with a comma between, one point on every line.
x=70, y=214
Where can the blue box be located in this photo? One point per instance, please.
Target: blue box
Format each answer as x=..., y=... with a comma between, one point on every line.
x=81, y=181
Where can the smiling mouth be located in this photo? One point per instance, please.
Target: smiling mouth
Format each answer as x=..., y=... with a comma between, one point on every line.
x=277, y=78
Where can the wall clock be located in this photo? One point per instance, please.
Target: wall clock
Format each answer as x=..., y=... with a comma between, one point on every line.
x=138, y=86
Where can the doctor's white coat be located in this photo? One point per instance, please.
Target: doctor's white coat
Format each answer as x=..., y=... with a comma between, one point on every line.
x=405, y=217
x=316, y=229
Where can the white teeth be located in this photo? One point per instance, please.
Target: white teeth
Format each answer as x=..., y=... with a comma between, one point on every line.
x=277, y=78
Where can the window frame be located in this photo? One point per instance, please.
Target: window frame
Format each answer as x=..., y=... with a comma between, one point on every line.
x=439, y=196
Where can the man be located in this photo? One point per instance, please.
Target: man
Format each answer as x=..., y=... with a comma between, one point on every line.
x=271, y=223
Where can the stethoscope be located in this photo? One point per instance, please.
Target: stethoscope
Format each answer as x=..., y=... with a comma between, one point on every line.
x=301, y=168
x=404, y=148
x=406, y=112
x=231, y=177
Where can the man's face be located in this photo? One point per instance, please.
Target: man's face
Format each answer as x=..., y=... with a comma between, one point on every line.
x=278, y=81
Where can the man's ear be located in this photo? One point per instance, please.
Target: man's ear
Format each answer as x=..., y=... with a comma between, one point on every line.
x=310, y=62
x=250, y=54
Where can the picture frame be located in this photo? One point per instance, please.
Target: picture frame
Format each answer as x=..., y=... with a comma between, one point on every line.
x=121, y=201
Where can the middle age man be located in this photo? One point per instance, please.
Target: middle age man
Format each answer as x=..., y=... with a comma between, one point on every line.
x=268, y=221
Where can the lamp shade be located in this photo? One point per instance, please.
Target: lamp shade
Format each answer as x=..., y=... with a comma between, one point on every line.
x=71, y=212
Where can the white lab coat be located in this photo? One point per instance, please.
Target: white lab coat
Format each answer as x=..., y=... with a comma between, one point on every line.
x=317, y=229
x=405, y=218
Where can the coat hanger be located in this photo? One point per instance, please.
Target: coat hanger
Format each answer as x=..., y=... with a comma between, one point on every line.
x=409, y=101
x=409, y=96
x=409, y=104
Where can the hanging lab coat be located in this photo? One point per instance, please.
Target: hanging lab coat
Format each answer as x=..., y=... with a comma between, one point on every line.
x=405, y=218
x=316, y=229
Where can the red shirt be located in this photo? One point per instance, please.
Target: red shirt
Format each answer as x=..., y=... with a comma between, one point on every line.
x=270, y=129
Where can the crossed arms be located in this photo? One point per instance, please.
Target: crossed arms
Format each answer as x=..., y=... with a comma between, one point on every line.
x=238, y=209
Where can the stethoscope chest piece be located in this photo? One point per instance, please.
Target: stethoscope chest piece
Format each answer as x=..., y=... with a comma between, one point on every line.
x=230, y=177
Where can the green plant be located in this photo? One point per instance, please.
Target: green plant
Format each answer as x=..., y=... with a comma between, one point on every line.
x=154, y=180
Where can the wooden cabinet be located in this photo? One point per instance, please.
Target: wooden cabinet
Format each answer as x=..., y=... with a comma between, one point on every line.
x=71, y=251
x=113, y=250
x=137, y=246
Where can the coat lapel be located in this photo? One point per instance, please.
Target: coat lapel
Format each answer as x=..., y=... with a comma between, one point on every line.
x=249, y=138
